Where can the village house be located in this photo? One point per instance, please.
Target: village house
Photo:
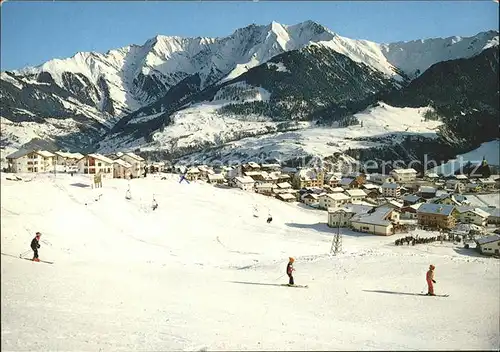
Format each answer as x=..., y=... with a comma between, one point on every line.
x=245, y=183
x=155, y=167
x=271, y=167
x=290, y=171
x=404, y=175
x=216, y=179
x=356, y=195
x=352, y=182
x=489, y=245
x=450, y=199
x=427, y=192
x=265, y=188
x=95, y=164
x=192, y=174
x=379, y=221
x=121, y=169
x=332, y=179
x=381, y=178
x=461, y=178
x=472, y=187
x=66, y=159
x=431, y=176
x=283, y=187
x=251, y=166
x=308, y=178
x=310, y=199
x=454, y=185
x=437, y=216
x=411, y=199
x=392, y=204
x=494, y=216
x=409, y=212
x=286, y=197
x=334, y=200
x=204, y=172
x=391, y=190
x=24, y=161
x=476, y=216
x=138, y=163
x=341, y=217
x=487, y=184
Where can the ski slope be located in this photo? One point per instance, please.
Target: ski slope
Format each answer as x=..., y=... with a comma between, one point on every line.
x=201, y=272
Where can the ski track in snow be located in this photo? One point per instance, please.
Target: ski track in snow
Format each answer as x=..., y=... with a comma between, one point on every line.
x=200, y=273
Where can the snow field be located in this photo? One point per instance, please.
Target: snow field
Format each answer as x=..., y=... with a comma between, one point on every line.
x=201, y=272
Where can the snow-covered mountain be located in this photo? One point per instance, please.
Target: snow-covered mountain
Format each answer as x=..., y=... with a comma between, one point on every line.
x=100, y=96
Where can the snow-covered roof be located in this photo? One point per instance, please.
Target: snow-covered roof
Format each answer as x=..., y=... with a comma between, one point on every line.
x=265, y=185
x=310, y=195
x=69, y=155
x=411, y=198
x=432, y=175
x=122, y=163
x=486, y=181
x=488, y=239
x=356, y=193
x=352, y=208
x=441, y=209
x=254, y=165
x=345, y=181
x=45, y=153
x=284, y=185
x=377, y=217
x=18, y=154
x=370, y=186
x=428, y=189
x=100, y=157
x=133, y=156
x=404, y=171
x=336, y=196
x=461, y=177
x=244, y=179
x=477, y=211
x=390, y=185
x=286, y=196
x=215, y=177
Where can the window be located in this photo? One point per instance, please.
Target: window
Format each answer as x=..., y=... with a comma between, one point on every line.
x=30, y=169
x=91, y=161
x=85, y=171
x=98, y=164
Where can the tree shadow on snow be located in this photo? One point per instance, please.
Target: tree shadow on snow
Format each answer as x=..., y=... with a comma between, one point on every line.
x=81, y=185
x=395, y=293
x=254, y=283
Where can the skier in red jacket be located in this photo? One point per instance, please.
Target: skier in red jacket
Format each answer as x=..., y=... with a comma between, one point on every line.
x=430, y=280
x=289, y=270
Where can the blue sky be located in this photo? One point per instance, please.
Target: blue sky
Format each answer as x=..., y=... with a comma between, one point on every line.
x=34, y=32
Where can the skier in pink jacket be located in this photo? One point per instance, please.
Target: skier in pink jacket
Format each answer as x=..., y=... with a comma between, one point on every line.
x=430, y=280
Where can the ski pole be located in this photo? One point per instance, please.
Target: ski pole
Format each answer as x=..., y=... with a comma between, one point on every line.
x=279, y=277
x=24, y=253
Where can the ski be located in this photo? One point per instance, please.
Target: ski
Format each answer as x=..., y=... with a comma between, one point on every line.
x=41, y=261
x=424, y=294
x=298, y=286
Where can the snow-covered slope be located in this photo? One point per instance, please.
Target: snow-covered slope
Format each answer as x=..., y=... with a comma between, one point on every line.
x=416, y=56
x=488, y=150
x=201, y=125
x=128, y=278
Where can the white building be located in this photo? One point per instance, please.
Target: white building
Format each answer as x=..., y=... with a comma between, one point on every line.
x=24, y=161
x=95, y=164
x=334, y=200
x=392, y=190
x=474, y=216
x=404, y=175
x=356, y=195
x=341, y=217
x=216, y=178
x=138, y=163
x=489, y=244
x=245, y=183
x=381, y=178
x=310, y=199
x=378, y=222
x=66, y=160
x=121, y=169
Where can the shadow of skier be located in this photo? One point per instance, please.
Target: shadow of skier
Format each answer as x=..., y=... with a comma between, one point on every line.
x=254, y=283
